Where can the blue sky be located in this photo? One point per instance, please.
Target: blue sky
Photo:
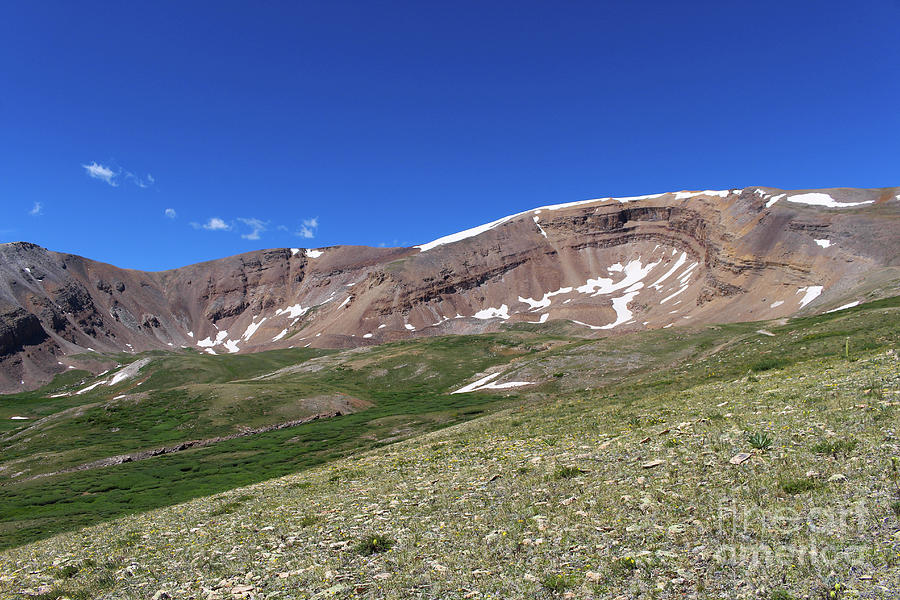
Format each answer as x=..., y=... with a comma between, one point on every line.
x=154, y=135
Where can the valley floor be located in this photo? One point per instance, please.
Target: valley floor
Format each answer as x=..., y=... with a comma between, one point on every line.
x=589, y=495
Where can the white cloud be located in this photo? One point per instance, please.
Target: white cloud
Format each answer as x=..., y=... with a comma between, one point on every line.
x=98, y=171
x=107, y=174
x=36, y=210
x=216, y=224
x=170, y=213
x=308, y=228
x=256, y=225
x=141, y=183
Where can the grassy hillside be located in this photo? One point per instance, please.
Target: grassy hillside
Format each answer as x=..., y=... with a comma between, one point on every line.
x=626, y=491
x=551, y=490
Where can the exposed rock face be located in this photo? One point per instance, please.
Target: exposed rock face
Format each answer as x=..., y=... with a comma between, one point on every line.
x=19, y=328
x=609, y=265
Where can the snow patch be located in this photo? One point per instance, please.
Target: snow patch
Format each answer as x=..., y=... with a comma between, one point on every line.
x=503, y=386
x=294, y=251
x=774, y=199
x=232, y=346
x=844, y=307
x=634, y=272
x=280, y=335
x=410, y=327
x=129, y=371
x=719, y=193
x=824, y=243
x=776, y=304
x=545, y=301
x=345, y=302
x=209, y=342
x=493, y=313
x=382, y=326
x=543, y=319
x=810, y=293
x=620, y=305
x=820, y=199
x=669, y=297
x=251, y=329
x=681, y=260
x=292, y=311
x=89, y=388
x=477, y=384
x=541, y=229
x=585, y=324
x=368, y=335
x=314, y=253
x=17, y=418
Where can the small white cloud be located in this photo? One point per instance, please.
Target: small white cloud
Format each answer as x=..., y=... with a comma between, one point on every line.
x=98, y=171
x=256, y=225
x=36, y=210
x=216, y=224
x=308, y=228
x=141, y=183
x=170, y=213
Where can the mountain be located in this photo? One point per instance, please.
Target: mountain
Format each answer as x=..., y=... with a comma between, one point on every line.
x=609, y=265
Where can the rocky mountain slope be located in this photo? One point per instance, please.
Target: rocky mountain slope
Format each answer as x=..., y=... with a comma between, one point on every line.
x=609, y=265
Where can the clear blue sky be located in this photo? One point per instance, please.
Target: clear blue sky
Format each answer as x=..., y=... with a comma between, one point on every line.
x=398, y=122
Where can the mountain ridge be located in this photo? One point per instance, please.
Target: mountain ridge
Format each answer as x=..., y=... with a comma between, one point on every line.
x=608, y=265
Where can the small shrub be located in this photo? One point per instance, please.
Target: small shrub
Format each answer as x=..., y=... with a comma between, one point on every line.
x=556, y=582
x=768, y=363
x=66, y=572
x=523, y=470
x=307, y=520
x=798, y=485
x=895, y=506
x=567, y=472
x=671, y=443
x=225, y=509
x=374, y=543
x=623, y=566
x=759, y=440
x=834, y=447
x=781, y=594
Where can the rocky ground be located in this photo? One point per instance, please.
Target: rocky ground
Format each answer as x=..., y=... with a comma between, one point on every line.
x=780, y=484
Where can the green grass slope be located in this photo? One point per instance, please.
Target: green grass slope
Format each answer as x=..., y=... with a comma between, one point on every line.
x=613, y=477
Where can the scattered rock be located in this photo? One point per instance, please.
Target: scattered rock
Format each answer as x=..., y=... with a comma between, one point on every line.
x=837, y=477
x=739, y=458
x=652, y=463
